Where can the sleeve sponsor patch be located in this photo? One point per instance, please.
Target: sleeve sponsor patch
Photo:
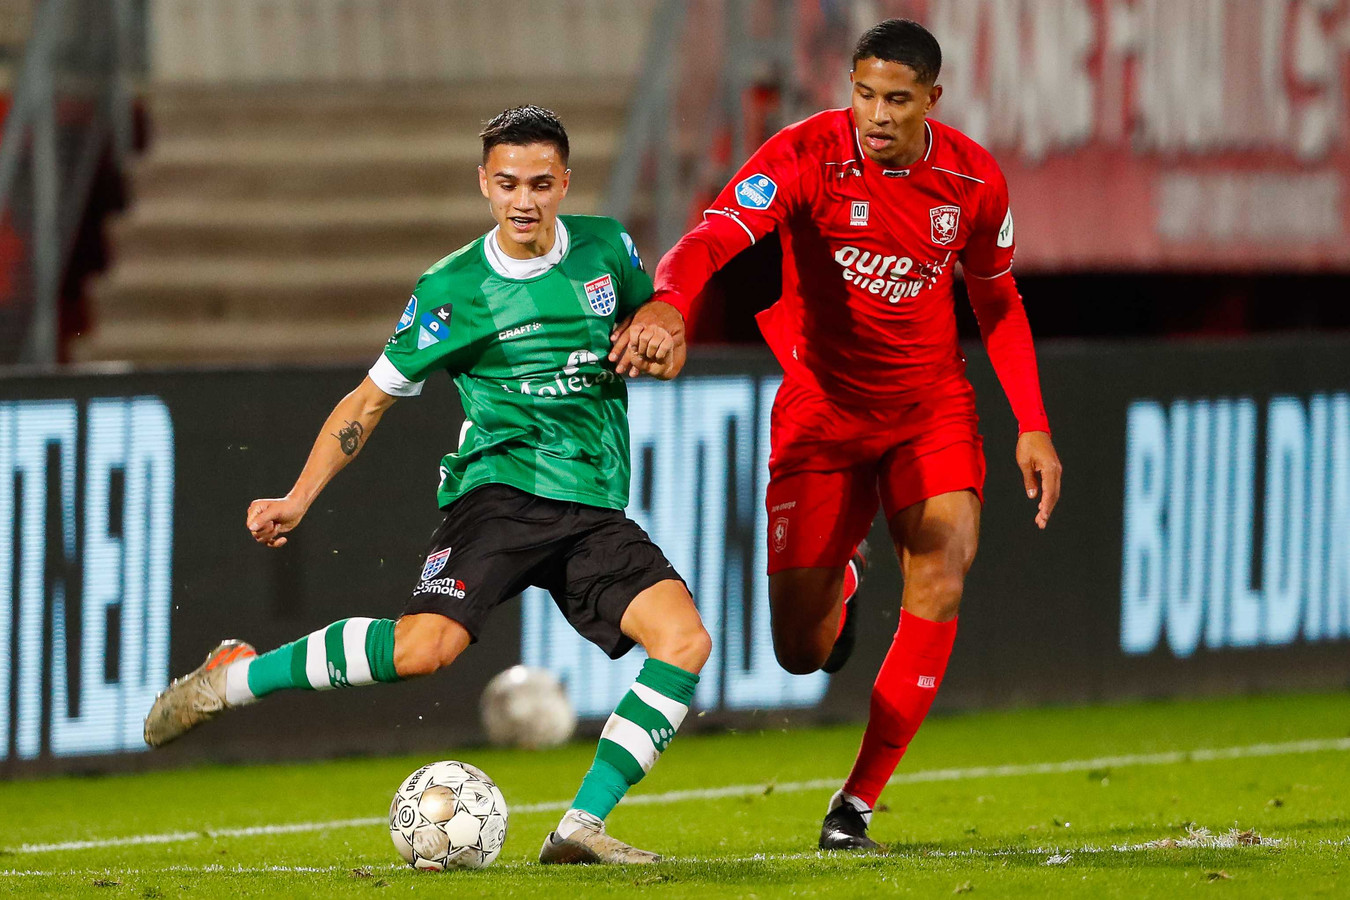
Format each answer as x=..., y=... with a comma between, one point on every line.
x=756, y=192
x=632, y=251
x=409, y=313
x=1005, y=233
x=434, y=328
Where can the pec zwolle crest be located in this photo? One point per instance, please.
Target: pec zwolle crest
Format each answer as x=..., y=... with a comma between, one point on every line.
x=600, y=293
x=944, y=221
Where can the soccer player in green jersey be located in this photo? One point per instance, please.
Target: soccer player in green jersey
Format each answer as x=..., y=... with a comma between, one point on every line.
x=533, y=494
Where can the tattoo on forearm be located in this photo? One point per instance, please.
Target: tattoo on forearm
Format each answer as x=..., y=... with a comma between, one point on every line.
x=349, y=437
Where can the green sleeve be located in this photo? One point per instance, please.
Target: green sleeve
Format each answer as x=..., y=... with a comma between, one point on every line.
x=436, y=326
x=635, y=285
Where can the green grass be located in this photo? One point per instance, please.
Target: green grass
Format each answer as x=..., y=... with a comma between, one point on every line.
x=991, y=835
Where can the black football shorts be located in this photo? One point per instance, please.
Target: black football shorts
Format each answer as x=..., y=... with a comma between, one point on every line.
x=497, y=540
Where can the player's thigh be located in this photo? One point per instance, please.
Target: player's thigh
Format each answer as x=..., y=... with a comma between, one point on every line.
x=817, y=518
x=609, y=563
x=665, y=621
x=936, y=539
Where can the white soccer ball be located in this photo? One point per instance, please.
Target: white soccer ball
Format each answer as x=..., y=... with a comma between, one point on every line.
x=527, y=707
x=448, y=815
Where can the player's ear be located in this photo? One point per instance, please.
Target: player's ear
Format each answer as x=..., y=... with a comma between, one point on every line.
x=482, y=182
x=934, y=94
x=566, y=180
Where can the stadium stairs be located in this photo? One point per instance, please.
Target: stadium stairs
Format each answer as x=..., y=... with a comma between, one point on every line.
x=289, y=224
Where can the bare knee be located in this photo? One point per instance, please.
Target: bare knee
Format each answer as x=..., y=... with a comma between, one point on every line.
x=935, y=596
x=805, y=605
x=800, y=657
x=426, y=642
x=686, y=645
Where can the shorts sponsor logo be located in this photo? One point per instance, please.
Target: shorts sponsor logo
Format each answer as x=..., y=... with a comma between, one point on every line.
x=944, y=221
x=928, y=681
x=791, y=504
x=450, y=587
x=1005, y=233
x=857, y=215
x=780, y=533
x=756, y=192
x=435, y=562
x=511, y=334
x=600, y=293
x=409, y=313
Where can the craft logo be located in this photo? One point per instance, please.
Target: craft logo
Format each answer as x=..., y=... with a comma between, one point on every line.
x=756, y=192
x=435, y=562
x=944, y=221
x=600, y=293
x=857, y=216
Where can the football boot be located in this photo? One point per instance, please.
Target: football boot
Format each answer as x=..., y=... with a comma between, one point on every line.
x=197, y=697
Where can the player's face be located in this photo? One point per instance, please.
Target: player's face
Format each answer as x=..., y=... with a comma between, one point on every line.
x=524, y=184
x=889, y=106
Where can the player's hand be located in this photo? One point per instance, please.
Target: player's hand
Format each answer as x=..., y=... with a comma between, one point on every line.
x=269, y=520
x=1041, y=471
x=651, y=342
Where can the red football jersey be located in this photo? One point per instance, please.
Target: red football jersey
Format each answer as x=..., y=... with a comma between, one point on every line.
x=867, y=312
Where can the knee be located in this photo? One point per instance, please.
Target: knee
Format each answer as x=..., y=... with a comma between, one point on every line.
x=424, y=644
x=799, y=658
x=936, y=597
x=687, y=646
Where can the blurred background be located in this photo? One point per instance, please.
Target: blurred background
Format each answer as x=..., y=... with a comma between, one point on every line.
x=212, y=211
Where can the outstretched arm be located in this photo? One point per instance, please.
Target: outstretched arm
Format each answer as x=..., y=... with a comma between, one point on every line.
x=343, y=436
x=655, y=336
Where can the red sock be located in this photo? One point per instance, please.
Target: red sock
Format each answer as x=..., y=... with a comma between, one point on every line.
x=904, y=690
x=850, y=587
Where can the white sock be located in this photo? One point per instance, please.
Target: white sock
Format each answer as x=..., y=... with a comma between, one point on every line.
x=841, y=797
x=574, y=820
x=236, y=684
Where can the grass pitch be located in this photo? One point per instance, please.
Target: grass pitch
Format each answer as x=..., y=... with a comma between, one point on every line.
x=1106, y=801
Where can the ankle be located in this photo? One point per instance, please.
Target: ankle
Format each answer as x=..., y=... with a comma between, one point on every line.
x=575, y=820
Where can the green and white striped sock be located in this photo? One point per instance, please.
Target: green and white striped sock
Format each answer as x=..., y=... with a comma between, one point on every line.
x=346, y=653
x=642, y=726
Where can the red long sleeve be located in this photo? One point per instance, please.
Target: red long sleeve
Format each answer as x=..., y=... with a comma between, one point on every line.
x=685, y=270
x=1007, y=337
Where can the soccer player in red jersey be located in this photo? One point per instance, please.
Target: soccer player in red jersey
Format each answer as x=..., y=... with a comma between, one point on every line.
x=875, y=204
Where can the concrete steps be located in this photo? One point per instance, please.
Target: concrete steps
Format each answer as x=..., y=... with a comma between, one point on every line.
x=292, y=223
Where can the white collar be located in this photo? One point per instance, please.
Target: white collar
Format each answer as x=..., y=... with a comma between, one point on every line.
x=520, y=269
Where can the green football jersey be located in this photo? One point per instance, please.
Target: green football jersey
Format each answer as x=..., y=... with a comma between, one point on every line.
x=544, y=410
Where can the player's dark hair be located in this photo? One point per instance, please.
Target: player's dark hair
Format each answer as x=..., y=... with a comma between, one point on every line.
x=521, y=125
x=902, y=41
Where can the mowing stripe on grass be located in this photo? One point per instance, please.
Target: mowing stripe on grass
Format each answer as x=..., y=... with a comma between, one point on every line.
x=1246, y=751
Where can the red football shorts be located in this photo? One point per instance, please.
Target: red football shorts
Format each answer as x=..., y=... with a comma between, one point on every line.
x=830, y=464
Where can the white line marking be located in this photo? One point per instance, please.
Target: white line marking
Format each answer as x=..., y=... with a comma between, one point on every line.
x=1172, y=757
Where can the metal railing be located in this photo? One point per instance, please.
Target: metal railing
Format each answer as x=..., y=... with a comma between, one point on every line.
x=71, y=104
x=703, y=62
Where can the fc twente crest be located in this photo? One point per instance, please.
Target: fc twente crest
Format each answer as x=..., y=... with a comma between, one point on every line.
x=944, y=221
